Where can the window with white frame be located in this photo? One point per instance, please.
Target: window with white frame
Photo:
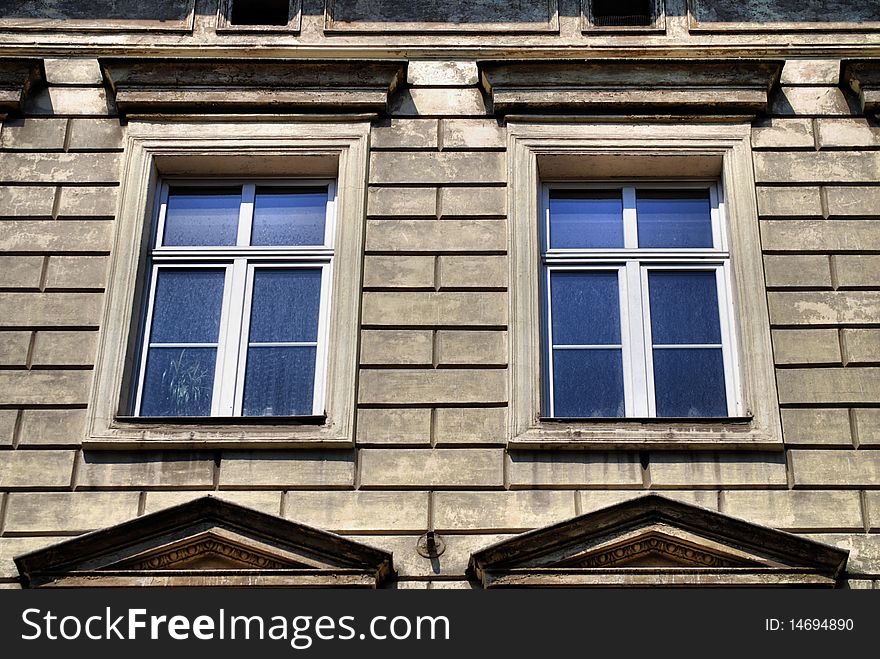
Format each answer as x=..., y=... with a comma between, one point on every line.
x=237, y=303
x=637, y=303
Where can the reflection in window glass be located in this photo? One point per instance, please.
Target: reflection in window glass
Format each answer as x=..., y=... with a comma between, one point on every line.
x=586, y=219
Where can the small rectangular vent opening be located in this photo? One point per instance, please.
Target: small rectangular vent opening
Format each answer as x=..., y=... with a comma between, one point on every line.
x=623, y=13
x=259, y=12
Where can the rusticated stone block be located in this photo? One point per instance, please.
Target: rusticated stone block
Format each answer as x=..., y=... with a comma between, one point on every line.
x=465, y=309
x=402, y=202
x=472, y=134
x=267, y=502
x=825, y=426
x=394, y=426
x=399, y=272
x=397, y=347
x=526, y=470
x=35, y=469
x=14, y=348
x=811, y=72
x=26, y=201
x=50, y=309
x=45, y=387
x=436, y=236
x=453, y=562
x=405, y=134
x=438, y=102
x=817, y=167
x=797, y=510
x=352, y=512
x=867, y=426
x=90, y=101
x=93, y=134
x=810, y=101
x=21, y=272
x=824, y=308
x=432, y=468
x=798, y=271
x=820, y=236
x=473, y=272
x=473, y=202
x=67, y=512
x=110, y=470
x=592, y=500
x=819, y=346
x=21, y=167
x=73, y=71
x=501, y=511
x=51, y=427
x=717, y=470
x=424, y=387
x=835, y=468
x=286, y=469
x=65, y=348
x=34, y=134
x=38, y=236
x=7, y=426
x=66, y=272
x=847, y=133
x=853, y=201
x=828, y=385
x=471, y=348
x=91, y=201
x=470, y=425
x=784, y=134
x=857, y=271
x=435, y=168
x=789, y=202
x=445, y=73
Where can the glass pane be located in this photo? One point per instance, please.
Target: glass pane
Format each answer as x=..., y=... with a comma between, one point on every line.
x=689, y=382
x=285, y=305
x=178, y=382
x=585, y=307
x=588, y=383
x=187, y=305
x=586, y=218
x=289, y=216
x=684, y=307
x=279, y=381
x=674, y=218
x=202, y=216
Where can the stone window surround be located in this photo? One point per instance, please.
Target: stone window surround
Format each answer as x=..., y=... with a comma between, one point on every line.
x=554, y=150
x=231, y=146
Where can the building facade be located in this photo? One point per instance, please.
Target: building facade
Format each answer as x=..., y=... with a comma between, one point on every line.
x=440, y=295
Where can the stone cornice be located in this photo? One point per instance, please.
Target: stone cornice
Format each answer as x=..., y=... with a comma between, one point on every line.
x=863, y=76
x=630, y=86
x=16, y=75
x=142, y=84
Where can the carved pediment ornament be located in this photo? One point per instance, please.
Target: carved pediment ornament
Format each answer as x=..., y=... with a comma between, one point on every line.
x=200, y=548
x=644, y=552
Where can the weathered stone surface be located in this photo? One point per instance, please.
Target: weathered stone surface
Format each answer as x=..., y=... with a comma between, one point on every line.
x=473, y=272
x=94, y=134
x=397, y=347
x=436, y=236
x=21, y=167
x=847, y=133
x=394, y=426
x=73, y=71
x=798, y=271
x=110, y=470
x=717, y=469
x=399, y=272
x=68, y=512
x=810, y=101
x=286, y=469
x=789, y=202
x=420, y=386
x=267, y=502
x=37, y=236
x=501, y=511
x=473, y=202
x=12, y=547
x=26, y=201
x=453, y=561
x=863, y=548
x=7, y=426
x=88, y=101
x=784, y=134
x=857, y=271
x=853, y=201
x=402, y=202
x=829, y=468
x=811, y=72
x=14, y=348
x=829, y=385
x=51, y=427
x=867, y=427
x=33, y=134
x=66, y=272
x=797, y=510
x=424, y=102
x=817, y=167
x=472, y=134
x=824, y=308
x=872, y=510
x=432, y=468
x=427, y=168
x=820, y=236
x=24, y=469
x=50, y=309
x=92, y=201
x=592, y=500
x=45, y=387
x=573, y=469
x=470, y=425
x=405, y=134
x=433, y=309
x=471, y=348
x=351, y=512
x=21, y=272
x=437, y=74
x=829, y=426
x=819, y=346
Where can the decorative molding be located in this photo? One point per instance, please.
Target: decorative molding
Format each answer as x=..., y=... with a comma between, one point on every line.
x=201, y=547
x=630, y=86
x=636, y=553
x=16, y=77
x=864, y=79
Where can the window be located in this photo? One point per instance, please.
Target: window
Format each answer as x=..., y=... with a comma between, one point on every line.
x=617, y=13
x=636, y=297
x=259, y=15
x=236, y=315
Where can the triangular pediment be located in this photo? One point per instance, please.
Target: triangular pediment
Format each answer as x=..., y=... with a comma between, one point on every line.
x=206, y=542
x=657, y=541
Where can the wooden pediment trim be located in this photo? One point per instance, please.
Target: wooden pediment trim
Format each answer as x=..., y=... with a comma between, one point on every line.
x=863, y=78
x=207, y=541
x=212, y=86
x=630, y=86
x=657, y=541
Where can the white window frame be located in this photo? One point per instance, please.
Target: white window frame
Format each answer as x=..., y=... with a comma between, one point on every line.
x=239, y=263
x=613, y=151
x=633, y=265
x=231, y=147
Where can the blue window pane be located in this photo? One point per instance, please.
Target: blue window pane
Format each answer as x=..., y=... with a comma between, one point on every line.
x=178, y=382
x=289, y=216
x=684, y=307
x=279, y=381
x=585, y=307
x=588, y=383
x=674, y=218
x=187, y=305
x=586, y=218
x=285, y=305
x=689, y=382
x=202, y=216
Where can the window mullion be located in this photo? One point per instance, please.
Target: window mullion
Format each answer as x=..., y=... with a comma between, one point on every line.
x=230, y=338
x=637, y=348
x=246, y=214
x=630, y=223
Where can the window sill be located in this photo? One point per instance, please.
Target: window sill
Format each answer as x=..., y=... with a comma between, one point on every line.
x=717, y=433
